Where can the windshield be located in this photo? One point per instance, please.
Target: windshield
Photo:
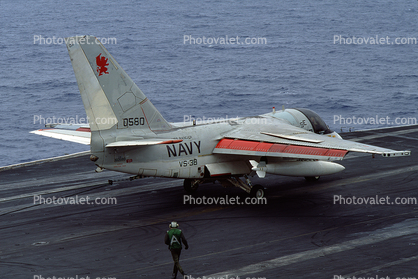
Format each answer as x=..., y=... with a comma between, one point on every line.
x=319, y=125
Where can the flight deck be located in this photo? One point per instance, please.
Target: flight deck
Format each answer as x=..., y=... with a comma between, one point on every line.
x=361, y=222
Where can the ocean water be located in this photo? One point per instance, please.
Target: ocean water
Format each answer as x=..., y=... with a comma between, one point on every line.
x=298, y=66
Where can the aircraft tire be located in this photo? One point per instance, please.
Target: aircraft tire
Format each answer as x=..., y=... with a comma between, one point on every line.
x=257, y=191
x=189, y=187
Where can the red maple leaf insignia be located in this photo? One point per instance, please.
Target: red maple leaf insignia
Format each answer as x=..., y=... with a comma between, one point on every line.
x=101, y=63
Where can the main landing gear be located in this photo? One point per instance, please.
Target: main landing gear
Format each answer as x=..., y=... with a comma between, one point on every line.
x=256, y=191
x=191, y=185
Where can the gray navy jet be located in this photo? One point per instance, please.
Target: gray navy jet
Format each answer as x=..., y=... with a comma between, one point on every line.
x=128, y=134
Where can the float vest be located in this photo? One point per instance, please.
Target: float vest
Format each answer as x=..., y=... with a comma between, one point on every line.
x=175, y=239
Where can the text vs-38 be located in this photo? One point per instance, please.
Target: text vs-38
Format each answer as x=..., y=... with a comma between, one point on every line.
x=188, y=163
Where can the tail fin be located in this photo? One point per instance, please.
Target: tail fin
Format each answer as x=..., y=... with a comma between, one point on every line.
x=110, y=97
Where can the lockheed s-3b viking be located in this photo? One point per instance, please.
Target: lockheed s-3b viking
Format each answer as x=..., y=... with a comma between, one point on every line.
x=128, y=134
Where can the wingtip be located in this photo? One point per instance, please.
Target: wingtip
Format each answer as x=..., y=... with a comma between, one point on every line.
x=397, y=153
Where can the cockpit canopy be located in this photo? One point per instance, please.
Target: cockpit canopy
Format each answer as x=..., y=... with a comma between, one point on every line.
x=304, y=118
x=318, y=125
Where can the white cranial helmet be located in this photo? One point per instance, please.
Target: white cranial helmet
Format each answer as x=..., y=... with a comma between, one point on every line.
x=174, y=225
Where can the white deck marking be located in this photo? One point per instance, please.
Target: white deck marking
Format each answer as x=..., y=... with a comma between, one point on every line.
x=366, y=271
x=388, y=134
x=398, y=230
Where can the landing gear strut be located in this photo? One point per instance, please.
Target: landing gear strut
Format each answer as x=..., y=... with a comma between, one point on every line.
x=256, y=191
x=191, y=185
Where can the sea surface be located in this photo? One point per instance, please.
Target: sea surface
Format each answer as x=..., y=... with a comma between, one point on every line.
x=298, y=65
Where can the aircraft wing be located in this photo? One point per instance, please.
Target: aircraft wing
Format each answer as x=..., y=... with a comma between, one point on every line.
x=283, y=140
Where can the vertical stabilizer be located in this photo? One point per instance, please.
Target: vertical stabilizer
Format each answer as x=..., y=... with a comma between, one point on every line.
x=110, y=97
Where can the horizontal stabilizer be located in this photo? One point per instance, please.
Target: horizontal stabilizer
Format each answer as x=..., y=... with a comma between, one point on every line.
x=142, y=142
x=81, y=135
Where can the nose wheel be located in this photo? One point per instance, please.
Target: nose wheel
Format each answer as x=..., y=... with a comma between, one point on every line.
x=257, y=191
